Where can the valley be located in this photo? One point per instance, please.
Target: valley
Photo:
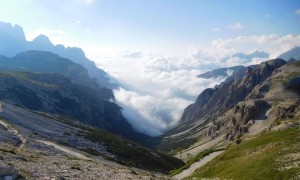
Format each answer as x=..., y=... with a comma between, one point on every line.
x=64, y=117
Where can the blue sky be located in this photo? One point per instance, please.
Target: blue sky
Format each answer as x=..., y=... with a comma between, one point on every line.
x=155, y=25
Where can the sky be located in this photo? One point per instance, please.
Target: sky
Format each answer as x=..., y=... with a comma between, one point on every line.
x=156, y=48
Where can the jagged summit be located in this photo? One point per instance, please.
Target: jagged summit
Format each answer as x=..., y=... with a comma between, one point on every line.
x=10, y=31
x=42, y=40
x=12, y=39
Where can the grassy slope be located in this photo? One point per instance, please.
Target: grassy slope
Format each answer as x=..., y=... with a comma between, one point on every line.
x=268, y=156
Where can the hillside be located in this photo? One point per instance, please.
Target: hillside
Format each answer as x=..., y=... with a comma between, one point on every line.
x=258, y=102
x=39, y=145
x=259, y=132
x=54, y=93
x=273, y=155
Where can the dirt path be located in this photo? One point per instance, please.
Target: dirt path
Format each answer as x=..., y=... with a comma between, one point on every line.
x=14, y=131
x=196, y=165
x=188, y=153
x=63, y=149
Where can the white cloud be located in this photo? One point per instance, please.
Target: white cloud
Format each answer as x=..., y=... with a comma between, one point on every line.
x=159, y=87
x=268, y=16
x=215, y=29
x=55, y=35
x=133, y=55
x=88, y=2
x=78, y=22
x=273, y=44
x=236, y=26
x=297, y=11
x=149, y=114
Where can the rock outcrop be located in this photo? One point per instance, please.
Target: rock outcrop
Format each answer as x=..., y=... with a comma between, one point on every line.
x=265, y=93
x=212, y=103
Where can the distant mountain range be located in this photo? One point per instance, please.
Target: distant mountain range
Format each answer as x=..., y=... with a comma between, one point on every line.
x=291, y=55
x=221, y=72
x=13, y=41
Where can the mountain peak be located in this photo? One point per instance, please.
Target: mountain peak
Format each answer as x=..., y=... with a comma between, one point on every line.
x=42, y=39
x=12, y=31
x=12, y=39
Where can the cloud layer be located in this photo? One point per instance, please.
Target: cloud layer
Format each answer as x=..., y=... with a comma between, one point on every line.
x=159, y=87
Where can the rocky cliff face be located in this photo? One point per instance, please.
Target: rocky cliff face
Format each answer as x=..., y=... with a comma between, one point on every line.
x=212, y=103
x=243, y=104
x=277, y=98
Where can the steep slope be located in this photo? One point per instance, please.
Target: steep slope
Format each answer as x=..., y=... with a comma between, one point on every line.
x=57, y=94
x=13, y=41
x=54, y=146
x=277, y=98
x=236, y=91
x=213, y=103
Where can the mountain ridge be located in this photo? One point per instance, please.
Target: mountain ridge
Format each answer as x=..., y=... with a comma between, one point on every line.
x=13, y=41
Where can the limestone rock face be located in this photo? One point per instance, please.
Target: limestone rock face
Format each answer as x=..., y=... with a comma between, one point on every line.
x=212, y=103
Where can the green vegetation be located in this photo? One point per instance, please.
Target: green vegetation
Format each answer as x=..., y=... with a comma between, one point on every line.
x=29, y=78
x=132, y=154
x=293, y=75
x=193, y=160
x=172, y=147
x=273, y=155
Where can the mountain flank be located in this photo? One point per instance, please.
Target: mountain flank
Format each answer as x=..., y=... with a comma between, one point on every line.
x=45, y=145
